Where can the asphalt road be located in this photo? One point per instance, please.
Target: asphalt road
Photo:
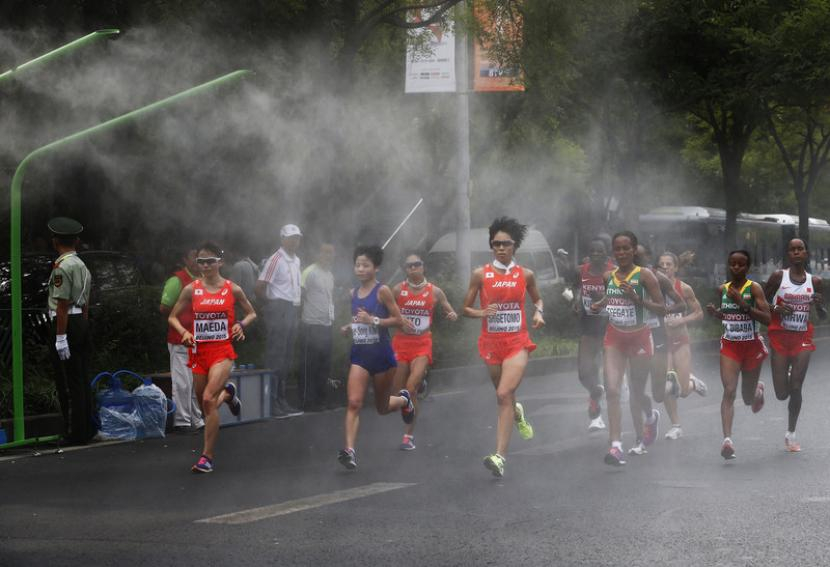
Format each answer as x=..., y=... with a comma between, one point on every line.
x=279, y=497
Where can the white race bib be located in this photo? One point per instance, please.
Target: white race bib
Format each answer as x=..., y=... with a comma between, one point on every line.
x=623, y=315
x=508, y=319
x=210, y=327
x=743, y=330
x=363, y=334
x=798, y=319
x=420, y=322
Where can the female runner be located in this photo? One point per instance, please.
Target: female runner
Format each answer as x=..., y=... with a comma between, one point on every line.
x=630, y=292
x=791, y=292
x=504, y=343
x=742, y=350
x=373, y=311
x=681, y=383
x=212, y=299
x=416, y=299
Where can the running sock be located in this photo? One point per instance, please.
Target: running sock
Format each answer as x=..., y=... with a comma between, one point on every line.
x=617, y=444
x=725, y=439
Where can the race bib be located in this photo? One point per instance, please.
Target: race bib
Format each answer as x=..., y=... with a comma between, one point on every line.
x=743, y=330
x=210, y=327
x=363, y=334
x=420, y=322
x=623, y=315
x=798, y=319
x=586, y=306
x=508, y=319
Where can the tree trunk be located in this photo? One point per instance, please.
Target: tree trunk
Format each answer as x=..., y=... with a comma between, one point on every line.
x=803, y=216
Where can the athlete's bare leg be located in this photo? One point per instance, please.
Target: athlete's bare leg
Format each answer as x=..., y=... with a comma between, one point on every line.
x=638, y=401
x=659, y=367
x=384, y=403
x=506, y=378
x=797, y=375
x=210, y=391
x=415, y=376
x=680, y=361
x=356, y=385
x=587, y=365
x=615, y=362
x=729, y=375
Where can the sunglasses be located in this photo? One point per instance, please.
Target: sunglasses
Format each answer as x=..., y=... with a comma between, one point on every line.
x=208, y=261
x=413, y=264
x=501, y=243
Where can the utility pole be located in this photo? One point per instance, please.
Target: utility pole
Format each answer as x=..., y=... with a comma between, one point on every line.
x=462, y=73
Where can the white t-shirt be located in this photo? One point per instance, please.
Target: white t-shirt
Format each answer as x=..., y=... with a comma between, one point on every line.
x=282, y=276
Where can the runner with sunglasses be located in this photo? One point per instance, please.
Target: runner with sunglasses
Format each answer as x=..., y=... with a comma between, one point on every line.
x=742, y=350
x=792, y=292
x=416, y=299
x=212, y=299
x=374, y=311
x=504, y=343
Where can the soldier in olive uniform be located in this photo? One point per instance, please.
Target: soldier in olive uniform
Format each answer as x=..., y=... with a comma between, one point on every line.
x=69, y=286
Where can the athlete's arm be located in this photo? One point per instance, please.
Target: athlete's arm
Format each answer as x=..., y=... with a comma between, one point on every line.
x=470, y=297
x=818, y=297
x=181, y=305
x=761, y=311
x=536, y=298
x=576, y=306
x=395, y=318
x=260, y=289
x=772, y=285
x=715, y=311
x=668, y=290
x=239, y=327
x=695, y=310
x=347, y=328
x=597, y=306
x=654, y=302
x=449, y=312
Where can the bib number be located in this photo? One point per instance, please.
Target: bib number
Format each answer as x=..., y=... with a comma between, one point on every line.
x=420, y=322
x=210, y=327
x=363, y=334
x=509, y=321
x=739, y=330
x=795, y=321
x=622, y=315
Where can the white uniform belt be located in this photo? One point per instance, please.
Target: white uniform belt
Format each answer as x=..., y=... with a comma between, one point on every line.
x=74, y=310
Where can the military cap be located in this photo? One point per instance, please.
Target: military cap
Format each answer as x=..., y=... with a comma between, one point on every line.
x=64, y=226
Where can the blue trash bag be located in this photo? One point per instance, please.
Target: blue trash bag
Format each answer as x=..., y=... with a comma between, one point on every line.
x=117, y=416
x=151, y=405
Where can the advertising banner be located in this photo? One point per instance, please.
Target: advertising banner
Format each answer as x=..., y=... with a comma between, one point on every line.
x=430, y=57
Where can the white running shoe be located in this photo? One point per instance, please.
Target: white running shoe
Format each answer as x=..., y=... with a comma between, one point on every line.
x=638, y=449
x=790, y=443
x=699, y=385
x=596, y=424
x=676, y=432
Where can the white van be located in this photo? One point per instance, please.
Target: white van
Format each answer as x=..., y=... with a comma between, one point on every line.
x=534, y=253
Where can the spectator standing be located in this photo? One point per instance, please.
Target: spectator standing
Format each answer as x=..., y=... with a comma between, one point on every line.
x=69, y=285
x=278, y=288
x=316, y=329
x=244, y=273
x=188, y=413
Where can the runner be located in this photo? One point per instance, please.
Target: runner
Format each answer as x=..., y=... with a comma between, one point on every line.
x=416, y=299
x=791, y=292
x=630, y=291
x=211, y=299
x=680, y=380
x=742, y=350
x=373, y=311
x=504, y=343
x=641, y=406
x=590, y=286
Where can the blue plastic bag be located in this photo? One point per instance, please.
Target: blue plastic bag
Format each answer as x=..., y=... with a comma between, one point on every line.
x=117, y=417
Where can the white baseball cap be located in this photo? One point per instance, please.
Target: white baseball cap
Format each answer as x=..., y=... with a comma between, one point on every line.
x=290, y=230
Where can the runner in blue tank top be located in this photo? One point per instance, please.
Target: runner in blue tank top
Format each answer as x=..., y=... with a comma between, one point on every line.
x=374, y=310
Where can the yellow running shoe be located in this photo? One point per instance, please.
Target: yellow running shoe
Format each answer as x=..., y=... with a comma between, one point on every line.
x=495, y=464
x=524, y=427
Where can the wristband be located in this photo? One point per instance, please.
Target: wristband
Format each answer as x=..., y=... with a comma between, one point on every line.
x=241, y=324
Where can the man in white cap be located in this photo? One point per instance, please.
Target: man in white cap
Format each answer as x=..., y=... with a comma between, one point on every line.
x=278, y=287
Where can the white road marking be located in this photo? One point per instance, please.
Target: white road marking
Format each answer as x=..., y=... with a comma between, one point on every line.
x=301, y=504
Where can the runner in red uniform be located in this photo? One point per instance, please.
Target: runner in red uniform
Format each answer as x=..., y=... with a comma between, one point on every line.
x=742, y=350
x=416, y=298
x=590, y=286
x=212, y=299
x=791, y=293
x=504, y=343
